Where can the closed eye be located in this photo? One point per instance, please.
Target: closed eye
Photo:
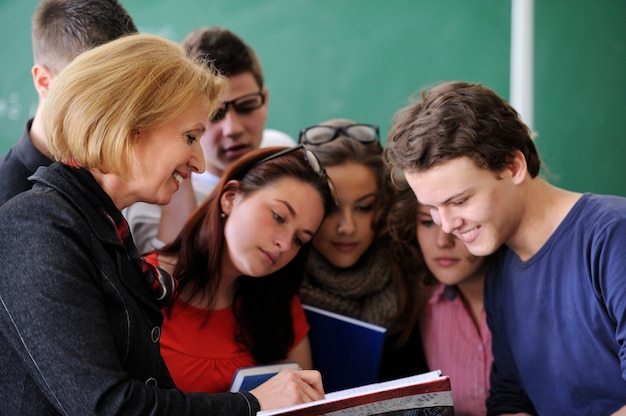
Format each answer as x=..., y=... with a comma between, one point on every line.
x=459, y=202
x=425, y=219
x=365, y=208
x=427, y=223
x=191, y=138
x=279, y=219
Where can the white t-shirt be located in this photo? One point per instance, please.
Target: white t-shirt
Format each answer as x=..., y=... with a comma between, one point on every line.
x=276, y=138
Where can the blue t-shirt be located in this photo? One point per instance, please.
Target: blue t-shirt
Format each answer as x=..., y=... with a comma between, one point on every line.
x=558, y=320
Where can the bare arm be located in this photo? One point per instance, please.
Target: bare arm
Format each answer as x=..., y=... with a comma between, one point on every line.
x=301, y=354
x=288, y=388
x=620, y=412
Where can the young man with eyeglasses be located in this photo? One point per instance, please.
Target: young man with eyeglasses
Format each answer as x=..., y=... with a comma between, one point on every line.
x=236, y=129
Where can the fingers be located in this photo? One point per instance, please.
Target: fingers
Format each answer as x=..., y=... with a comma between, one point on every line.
x=288, y=388
x=311, y=384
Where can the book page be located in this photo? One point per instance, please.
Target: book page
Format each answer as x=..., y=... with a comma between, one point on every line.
x=420, y=378
x=379, y=406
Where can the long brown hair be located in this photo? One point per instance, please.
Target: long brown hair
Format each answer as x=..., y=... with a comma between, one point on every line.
x=343, y=150
x=406, y=279
x=262, y=306
x=407, y=261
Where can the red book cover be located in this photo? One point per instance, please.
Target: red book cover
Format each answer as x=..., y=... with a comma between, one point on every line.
x=424, y=394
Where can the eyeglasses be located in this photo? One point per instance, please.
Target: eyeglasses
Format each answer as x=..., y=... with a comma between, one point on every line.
x=364, y=133
x=242, y=105
x=310, y=158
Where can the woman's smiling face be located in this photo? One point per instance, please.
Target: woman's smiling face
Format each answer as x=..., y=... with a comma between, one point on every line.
x=164, y=156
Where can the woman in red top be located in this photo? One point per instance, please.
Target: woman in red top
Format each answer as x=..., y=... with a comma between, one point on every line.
x=239, y=261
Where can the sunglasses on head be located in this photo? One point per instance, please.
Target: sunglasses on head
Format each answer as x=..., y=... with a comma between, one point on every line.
x=242, y=105
x=309, y=157
x=364, y=133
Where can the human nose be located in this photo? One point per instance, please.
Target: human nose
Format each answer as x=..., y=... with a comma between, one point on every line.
x=284, y=240
x=231, y=123
x=447, y=220
x=347, y=225
x=443, y=239
x=197, y=162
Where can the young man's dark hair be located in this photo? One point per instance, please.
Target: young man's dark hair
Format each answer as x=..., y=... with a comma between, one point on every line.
x=555, y=296
x=61, y=30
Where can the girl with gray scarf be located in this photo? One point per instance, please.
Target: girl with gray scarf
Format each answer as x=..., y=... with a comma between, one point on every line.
x=355, y=267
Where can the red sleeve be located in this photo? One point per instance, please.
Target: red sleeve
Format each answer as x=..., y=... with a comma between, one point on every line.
x=300, y=324
x=152, y=258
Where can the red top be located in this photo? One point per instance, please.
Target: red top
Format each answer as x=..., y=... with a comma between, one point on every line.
x=205, y=358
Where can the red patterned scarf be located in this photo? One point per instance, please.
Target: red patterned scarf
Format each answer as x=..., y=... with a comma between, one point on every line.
x=160, y=283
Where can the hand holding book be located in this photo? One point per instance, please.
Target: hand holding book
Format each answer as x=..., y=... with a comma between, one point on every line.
x=427, y=393
x=248, y=378
x=289, y=388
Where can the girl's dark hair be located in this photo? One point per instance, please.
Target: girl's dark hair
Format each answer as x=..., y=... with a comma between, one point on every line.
x=344, y=150
x=347, y=150
x=407, y=261
x=262, y=306
x=402, y=224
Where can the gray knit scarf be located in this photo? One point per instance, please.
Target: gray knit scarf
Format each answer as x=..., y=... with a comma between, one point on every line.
x=364, y=291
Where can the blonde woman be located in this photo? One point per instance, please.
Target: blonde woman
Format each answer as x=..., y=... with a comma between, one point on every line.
x=81, y=310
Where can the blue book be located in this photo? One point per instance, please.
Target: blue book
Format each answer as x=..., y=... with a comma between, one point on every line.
x=346, y=351
x=248, y=378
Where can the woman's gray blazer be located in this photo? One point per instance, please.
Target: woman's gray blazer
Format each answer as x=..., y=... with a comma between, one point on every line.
x=79, y=331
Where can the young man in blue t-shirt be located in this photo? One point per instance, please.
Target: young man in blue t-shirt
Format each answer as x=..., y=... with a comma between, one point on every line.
x=555, y=296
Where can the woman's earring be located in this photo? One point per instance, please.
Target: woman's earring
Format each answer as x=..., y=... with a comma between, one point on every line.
x=222, y=215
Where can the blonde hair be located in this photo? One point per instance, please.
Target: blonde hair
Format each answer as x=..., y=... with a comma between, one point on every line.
x=109, y=93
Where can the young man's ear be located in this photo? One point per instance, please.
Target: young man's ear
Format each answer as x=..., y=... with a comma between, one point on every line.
x=42, y=78
x=518, y=167
x=228, y=198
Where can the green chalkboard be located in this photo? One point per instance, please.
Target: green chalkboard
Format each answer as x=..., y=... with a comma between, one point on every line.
x=361, y=59
x=580, y=89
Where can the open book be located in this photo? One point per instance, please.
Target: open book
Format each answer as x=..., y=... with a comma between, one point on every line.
x=345, y=350
x=423, y=394
x=247, y=378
